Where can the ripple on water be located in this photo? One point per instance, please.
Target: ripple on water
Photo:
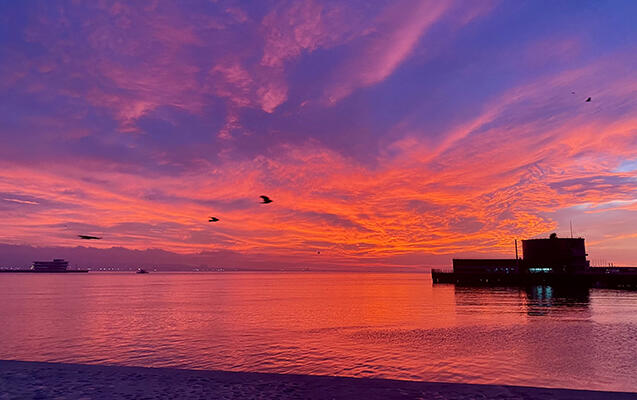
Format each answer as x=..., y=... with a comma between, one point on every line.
x=383, y=325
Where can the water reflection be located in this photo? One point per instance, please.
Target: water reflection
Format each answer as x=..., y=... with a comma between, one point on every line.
x=499, y=303
x=383, y=325
x=544, y=300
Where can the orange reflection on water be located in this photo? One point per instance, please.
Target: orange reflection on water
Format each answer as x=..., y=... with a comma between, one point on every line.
x=353, y=324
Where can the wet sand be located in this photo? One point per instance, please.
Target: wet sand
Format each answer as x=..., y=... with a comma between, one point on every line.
x=38, y=380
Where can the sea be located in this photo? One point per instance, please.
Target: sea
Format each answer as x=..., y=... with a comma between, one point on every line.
x=384, y=325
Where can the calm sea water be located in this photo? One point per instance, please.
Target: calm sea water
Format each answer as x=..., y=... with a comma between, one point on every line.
x=393, y=325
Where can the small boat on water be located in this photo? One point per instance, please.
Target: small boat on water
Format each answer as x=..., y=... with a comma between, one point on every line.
x=141, y=271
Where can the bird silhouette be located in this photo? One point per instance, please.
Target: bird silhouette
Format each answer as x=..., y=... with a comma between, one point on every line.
x=87, y=237
x=213, y=219
x=266, y=199
x=588, y=100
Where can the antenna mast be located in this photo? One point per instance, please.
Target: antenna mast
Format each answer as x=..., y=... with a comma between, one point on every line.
x=571, y=221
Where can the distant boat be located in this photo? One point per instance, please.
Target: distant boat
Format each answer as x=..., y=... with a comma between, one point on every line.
x=141, y=271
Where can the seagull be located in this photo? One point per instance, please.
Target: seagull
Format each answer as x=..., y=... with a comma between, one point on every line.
x=266, y=199
x=213, y=219
x=87, y=237
x=588, y=100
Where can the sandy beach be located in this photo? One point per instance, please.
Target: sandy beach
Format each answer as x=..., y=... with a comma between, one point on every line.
x=39, y=380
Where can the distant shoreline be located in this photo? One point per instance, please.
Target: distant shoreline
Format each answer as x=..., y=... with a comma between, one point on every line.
x=30, y=271
x=129, y=270
x=25, y=380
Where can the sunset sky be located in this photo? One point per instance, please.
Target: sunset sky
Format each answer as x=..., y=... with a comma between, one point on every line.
x=386, y=132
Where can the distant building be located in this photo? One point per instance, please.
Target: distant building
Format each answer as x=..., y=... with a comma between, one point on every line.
x=485, y=265
x=549, y=261
x=555, y=255
x=57, y=265
x=538, y=256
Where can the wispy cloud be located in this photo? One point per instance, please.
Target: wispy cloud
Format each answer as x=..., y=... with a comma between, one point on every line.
x=388, y=43
x=20, y=201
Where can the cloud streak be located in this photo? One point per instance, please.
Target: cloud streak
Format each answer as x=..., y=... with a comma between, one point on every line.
x=392, y=39
x=20, y=201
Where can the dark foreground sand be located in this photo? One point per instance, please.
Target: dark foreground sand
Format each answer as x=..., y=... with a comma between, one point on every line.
x=37, y=380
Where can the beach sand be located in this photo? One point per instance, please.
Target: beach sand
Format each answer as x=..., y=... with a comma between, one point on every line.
x=39, y=380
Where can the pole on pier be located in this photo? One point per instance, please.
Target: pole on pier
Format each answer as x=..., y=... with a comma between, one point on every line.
x=516, y=249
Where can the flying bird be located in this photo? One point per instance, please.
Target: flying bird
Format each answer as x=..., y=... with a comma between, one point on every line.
x=588, y=100
x=87, y=237
x=213, y=219
x=266, y=199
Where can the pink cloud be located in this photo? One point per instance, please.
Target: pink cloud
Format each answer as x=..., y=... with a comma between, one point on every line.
x=306, y=25
x=111, y=40
x=387, y=45
x=232, y=81
x=232, y=124
x=271, y=96
x=261, y=87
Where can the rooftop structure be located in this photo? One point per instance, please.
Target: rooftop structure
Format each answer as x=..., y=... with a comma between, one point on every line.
x=556, y=254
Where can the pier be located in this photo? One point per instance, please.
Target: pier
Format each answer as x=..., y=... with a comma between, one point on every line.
x=553, y=261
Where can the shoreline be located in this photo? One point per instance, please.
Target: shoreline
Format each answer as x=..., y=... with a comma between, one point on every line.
x=31, y=380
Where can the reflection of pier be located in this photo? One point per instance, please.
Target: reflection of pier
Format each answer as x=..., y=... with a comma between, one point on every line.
x=541, y=299
x=536, y=300
x=553, y=261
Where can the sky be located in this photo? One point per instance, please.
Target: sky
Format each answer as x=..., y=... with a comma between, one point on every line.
x=388, y=133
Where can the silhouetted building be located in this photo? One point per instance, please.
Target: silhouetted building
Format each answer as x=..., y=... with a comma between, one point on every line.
x=551, y=261
x=57, y=265
x=488, y=265
x=554, y=254
x=538, y=256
